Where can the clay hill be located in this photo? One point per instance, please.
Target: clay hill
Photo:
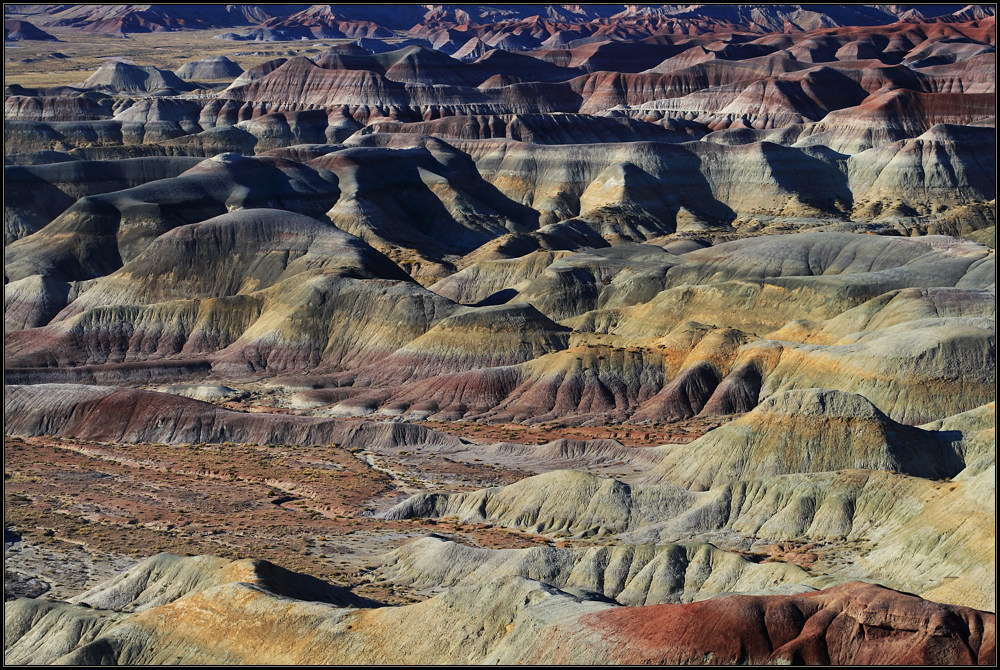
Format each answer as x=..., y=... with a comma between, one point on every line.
x=216, y=67
x=15, y=30
x=556, y=24
x=122, y=19
x=143, y=617
x=536, y=334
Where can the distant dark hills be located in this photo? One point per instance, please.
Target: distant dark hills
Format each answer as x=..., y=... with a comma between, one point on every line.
x=578, y=21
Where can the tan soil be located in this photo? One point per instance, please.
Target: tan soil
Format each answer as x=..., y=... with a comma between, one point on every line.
x=308, y=509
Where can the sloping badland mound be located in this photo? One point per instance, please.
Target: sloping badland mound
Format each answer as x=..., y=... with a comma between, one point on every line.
x=901, y=517
x=670, y=639
x=664, y=317
x=118, y=77
x=15, y=30
x=39, y=193
x=631, y=575
x=165, y=578
x=811, y=430
x=214, y=67
x=127, y=415
x=507, y=620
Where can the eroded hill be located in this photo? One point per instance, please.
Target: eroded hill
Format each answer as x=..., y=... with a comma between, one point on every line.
x=511, y=336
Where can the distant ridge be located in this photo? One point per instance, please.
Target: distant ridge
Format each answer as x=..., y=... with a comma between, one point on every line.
x=573, y=22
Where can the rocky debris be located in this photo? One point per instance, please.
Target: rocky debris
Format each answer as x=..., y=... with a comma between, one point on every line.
x=17, y=585
x=901, y=515
x=203, y=392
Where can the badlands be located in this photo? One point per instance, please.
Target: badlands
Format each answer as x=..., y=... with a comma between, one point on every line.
x=536, y=334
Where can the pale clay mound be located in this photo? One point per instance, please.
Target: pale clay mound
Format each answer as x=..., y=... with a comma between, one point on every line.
x=809, y=431
x=848, y=504
x=630, y=575
x=504, y=620
x=216, y=67
x=779, y=344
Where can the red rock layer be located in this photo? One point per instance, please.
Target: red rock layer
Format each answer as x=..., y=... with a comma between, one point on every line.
x=851, y=624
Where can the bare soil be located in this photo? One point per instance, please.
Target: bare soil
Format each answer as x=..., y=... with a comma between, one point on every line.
x=77, y=512
x=680, y=432
x=30, y=63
